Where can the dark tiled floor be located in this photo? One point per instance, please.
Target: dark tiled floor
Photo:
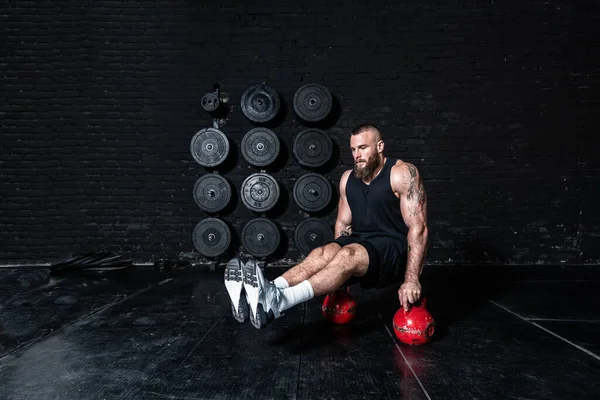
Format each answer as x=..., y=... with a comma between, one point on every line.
x=531, y=332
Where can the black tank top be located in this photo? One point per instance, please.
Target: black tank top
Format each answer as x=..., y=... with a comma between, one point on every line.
x=375, y=208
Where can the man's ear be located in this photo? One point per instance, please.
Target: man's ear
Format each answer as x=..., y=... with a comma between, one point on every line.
x=380, y=146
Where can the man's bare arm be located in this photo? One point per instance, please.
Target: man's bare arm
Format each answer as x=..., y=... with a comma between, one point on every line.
x=413, y=205
x=343, y=223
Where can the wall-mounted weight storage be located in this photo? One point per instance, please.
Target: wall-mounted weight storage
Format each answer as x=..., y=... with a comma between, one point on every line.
x=312, y=192
x=261, y=237
x=209, y=147
x=215, y=104
x=210, y=102
x=212, y=192
x=260, y=192
x=312, y=148
x=260, y=147
x=211, y=237
x=312, y=102
x=311, y=233
x=260, y=103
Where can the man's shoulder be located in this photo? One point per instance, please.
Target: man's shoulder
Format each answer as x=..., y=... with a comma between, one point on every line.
x=402, y=175
x=346, y=173
x=402, y=167
x=345, y=177
x=399, y=167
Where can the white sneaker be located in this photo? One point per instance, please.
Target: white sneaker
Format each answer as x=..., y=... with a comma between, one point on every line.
x=263, y=297
x=234, y=283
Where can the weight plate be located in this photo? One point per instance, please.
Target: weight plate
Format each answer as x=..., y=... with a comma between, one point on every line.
x=312, y=192
x=210, y=102
x=312, y=102
x=260, y=146
x=311, y=233
x=211, y=237
x=260, y=103
x=260, y=192
x=209, y=147
x=313, y=147
x=212, y=192
x=261, y=237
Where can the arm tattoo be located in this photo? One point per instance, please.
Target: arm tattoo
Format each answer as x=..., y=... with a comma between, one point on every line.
x=345, y=232
x=416, y=193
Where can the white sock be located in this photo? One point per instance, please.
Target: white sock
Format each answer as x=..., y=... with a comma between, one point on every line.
x=281, y=283
x=295, y=295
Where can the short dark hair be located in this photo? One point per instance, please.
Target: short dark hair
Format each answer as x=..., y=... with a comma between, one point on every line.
x=366, y=127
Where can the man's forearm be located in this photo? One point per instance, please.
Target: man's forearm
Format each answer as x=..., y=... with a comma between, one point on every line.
x=417, y=249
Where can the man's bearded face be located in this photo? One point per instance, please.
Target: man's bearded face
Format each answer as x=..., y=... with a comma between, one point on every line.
x=365, y=168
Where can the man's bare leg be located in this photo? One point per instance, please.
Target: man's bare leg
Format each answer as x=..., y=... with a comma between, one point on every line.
x=313, y=263
x=348, y=261
x=267, y=301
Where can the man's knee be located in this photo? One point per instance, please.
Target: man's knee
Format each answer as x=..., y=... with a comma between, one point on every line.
x=354, y=259
x=326, y=252
x=347, y=252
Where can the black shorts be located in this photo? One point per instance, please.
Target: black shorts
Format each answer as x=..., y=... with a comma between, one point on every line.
x=387, y=260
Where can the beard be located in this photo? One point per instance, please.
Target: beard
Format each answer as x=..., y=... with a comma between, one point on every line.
x=366, y=171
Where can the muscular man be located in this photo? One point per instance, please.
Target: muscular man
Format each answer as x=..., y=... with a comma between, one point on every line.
x=380, y=239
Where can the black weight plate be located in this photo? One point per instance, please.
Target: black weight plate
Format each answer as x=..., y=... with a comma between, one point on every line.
x=261, y=237
x=210, y=102
x=312, y=147
x=312, y=192
x=211, y=237
x=260, y=192
x=312, y=102
x=209, y=147
x=311, y=233
x=260, y=103
x=212, y=192
x=260, y=147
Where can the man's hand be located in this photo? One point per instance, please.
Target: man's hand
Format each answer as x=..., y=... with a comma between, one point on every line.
x=409, y=293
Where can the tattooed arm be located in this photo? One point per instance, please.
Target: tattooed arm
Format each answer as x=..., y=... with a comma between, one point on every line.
x=407, y=184
x=343, y=223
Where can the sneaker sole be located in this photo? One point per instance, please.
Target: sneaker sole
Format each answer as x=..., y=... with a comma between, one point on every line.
x=258, y=317
x=257, y=314
x=234, y=283
x=240, y=313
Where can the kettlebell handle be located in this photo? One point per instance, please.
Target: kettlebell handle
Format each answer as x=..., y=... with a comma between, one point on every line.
x=421, y=303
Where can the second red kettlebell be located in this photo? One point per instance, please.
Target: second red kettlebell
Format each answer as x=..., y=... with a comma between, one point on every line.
x=339, y=307
x=415, y=326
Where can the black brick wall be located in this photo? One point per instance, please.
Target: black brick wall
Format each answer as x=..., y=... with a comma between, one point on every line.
x=495, y=103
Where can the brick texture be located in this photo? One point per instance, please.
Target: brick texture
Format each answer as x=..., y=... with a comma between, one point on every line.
x=495, y=103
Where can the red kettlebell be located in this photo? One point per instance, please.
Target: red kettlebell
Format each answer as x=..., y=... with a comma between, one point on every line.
x=415, y=326
x=339, y=307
